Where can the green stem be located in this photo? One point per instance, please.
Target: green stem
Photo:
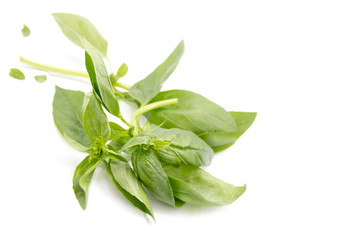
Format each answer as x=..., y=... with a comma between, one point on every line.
x=122, y=85
x=53, y=69
x=69, y=72
x=135, y=118
x=124, y=121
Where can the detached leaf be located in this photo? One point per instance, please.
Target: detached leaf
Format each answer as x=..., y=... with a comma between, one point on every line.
x=146, y=89
x=195, y=186
x=82, y=178
x=152, y=175
x=222, y=140
x=17, y=74
x=40, y=78
x=99, y=79
x=128, y=184
x=77, y=28
x=184, y=146
x=25, y=31
x=95, y=121
x=68, y=117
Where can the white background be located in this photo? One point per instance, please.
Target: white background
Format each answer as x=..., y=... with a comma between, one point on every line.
x=281, y=59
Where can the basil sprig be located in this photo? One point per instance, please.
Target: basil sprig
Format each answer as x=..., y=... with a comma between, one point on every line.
x=165, y=156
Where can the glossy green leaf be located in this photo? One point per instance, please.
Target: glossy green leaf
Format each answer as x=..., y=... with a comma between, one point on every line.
x=99, y=79
x=77, y=28
x=82, y=178
x=195, y=186
x=193, y=112
x=222, y=140
x=40, y=78
x=17, y=74
x=152, y=175
x=68, y=117
x=95, y=121
x=146, y=89
x=25, y=31
x=185, y=147
x=128, y=184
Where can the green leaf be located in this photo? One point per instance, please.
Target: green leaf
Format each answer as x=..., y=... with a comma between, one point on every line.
x=146, y=89
x=25, y=31
x=143, y=138
x=68, y=117
x=117, y=131
x=128, y=184
x=95, y=121
x=118, y=142
x=123, y=69
x=17, y=74
x=185, y=147
x=152, y=175
x=40, y=78
x=222, y=140
x=99, y=79
x=195, y=186
x=77, y=28
x=193, y=113
x=112, y=154
x=82, y=178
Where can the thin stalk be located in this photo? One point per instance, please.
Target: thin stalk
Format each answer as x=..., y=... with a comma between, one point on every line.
x=124, y=121
x=54, y=69
x=135, y=118
x=64, y=71
x=122, y=85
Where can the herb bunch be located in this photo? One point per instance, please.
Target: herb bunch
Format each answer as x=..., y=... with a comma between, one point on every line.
x=165, y=159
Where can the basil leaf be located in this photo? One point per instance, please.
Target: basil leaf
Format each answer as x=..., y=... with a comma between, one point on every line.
x=68, y=117
x=222, y=140
x=95, y=121
x=195, y=186
x=82, y=178
x=40, y=78
x=123, y=69
x=128, y=184
x=17, y=74
x=193, y=112
x=25, y=31
x=117, y=131
x=114, y=155
x=146, y=89
x=99, y=79
x=77, y=28
x=152, y=175
x=185, y=146
x=118, y=142
x=138, y=140
x=178, y=203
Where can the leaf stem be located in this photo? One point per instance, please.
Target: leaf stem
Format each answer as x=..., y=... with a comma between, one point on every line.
x=69, y=72
x=124, y=121
x=135, y=118
x=54, y=69
x=122, y=85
